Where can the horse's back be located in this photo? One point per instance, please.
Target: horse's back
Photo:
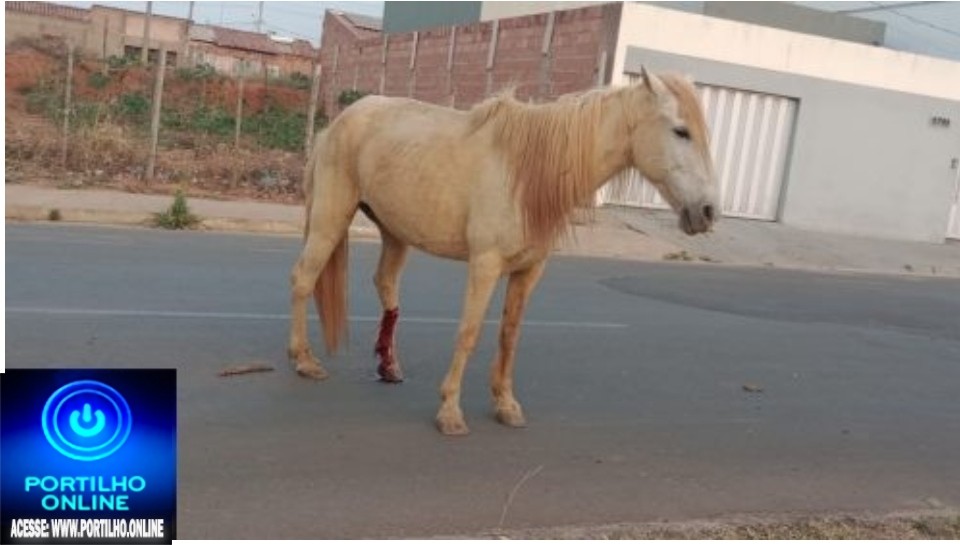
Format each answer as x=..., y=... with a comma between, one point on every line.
x=416, y=165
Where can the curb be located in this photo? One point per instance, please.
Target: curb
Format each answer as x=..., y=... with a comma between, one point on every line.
x=140, y=219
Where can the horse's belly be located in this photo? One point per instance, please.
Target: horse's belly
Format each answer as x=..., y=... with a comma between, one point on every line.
x=441, y=232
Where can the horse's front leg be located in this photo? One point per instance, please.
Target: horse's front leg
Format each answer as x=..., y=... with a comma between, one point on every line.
x=519, y=288
x=484, y=271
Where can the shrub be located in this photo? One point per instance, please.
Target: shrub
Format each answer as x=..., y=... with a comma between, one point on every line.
x=178, y=216
x=133, y=107
x=349, y=96
x=199, y=72
x=98, y=80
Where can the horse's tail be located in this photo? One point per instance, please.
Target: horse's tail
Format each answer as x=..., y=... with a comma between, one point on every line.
x=330, y=290
x=330, y=294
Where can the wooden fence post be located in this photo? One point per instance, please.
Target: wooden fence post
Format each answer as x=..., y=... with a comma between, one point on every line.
x=412, y=75
x=67, y=100
x=312, y=108
x=546, y=57
x=383, y=63
x=450, y=53
x=491, y=56
x=155, y=113
x=238, y=116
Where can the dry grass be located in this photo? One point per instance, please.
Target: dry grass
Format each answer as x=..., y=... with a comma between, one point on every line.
x=901, y=526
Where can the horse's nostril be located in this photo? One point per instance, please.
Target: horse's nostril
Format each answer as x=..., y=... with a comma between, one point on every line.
x=708, y=212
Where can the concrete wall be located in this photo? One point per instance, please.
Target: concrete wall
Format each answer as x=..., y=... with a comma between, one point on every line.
x=865, y=161
x=721, y=40
x=28, y=25
x=407, y=16
x=491, y=11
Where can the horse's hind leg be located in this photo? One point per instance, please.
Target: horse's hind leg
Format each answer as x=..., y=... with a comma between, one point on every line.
x=328, y=225
x=519, y=288
x=393, y=256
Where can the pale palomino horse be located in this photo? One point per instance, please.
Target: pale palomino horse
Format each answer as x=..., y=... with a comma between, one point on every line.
x=494, y=186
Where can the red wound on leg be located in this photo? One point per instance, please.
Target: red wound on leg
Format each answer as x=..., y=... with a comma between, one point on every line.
x=388, y=369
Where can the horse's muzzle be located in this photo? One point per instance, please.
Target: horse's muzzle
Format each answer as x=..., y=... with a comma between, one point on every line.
x=697, y=219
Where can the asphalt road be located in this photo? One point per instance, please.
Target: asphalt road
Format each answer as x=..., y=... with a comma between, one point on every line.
x=631, y=375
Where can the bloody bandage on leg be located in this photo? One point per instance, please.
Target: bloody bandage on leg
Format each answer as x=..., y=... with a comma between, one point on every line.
x=388, y=369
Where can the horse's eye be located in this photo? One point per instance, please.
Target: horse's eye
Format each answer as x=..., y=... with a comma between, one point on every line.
x=682, y=132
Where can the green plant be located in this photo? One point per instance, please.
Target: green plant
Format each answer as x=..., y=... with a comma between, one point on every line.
x=199, y=72
x=296, y=80
x=122, y=62
x=682, y=255
x=85, y=114
x=211, y=121
x=178, y=216
x=98, y=80
x=349, y=96
x=44, y=101
x=278, y=128
x=133, y=107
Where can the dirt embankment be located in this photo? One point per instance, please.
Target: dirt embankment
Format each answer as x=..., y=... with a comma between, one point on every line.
x=109, y=140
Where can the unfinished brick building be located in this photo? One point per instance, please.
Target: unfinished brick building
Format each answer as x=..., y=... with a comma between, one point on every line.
x=542, y=56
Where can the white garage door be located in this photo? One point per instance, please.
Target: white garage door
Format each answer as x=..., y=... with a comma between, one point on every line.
x=953, y=230
x=750, y=139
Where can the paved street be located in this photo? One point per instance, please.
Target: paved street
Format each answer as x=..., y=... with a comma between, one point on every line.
x=631, y=375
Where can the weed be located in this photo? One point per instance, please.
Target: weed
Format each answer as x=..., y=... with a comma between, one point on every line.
x=54, y=215
x=98, y=80
x=349, y=96
x=178, y=216
x=682, y=255
x=196, y=73
x=133, y=107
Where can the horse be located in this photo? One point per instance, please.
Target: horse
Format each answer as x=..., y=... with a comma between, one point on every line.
x=494, y=186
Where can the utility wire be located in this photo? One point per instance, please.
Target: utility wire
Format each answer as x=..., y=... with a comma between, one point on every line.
x=915, y=20
x=881, y=7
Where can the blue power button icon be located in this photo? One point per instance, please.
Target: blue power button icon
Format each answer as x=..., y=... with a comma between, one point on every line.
x=86, y=420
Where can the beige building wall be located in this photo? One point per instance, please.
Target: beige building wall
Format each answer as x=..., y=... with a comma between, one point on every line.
x=768, y=48
x=28, y=25
x=490, y=11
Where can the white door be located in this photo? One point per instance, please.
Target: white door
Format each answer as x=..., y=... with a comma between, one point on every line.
x=953, y=228
x=750, y=139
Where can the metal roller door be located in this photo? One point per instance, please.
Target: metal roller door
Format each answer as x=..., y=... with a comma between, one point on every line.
x=953, y=229
x=750, y=139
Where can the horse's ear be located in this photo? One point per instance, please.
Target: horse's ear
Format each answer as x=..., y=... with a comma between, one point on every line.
x=651, y=82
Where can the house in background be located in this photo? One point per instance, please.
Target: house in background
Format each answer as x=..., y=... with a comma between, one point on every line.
x=248, y=53
x=42, y=20
x=104, y=32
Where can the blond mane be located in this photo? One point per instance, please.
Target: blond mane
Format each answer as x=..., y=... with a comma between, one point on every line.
x=551, y=154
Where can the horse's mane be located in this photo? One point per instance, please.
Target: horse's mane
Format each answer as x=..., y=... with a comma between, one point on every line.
x=550, y=149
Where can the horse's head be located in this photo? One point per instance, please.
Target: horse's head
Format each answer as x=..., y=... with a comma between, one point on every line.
x=670, y=148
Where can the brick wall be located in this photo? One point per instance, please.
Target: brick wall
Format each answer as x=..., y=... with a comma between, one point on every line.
x=580, y=41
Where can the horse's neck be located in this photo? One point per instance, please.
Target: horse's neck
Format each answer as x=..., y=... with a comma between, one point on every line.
x=622, y=115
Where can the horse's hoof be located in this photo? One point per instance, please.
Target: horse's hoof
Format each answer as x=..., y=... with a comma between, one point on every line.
x=312, y=371
x=453, y=425
x=512, y=416
x=391, y=374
